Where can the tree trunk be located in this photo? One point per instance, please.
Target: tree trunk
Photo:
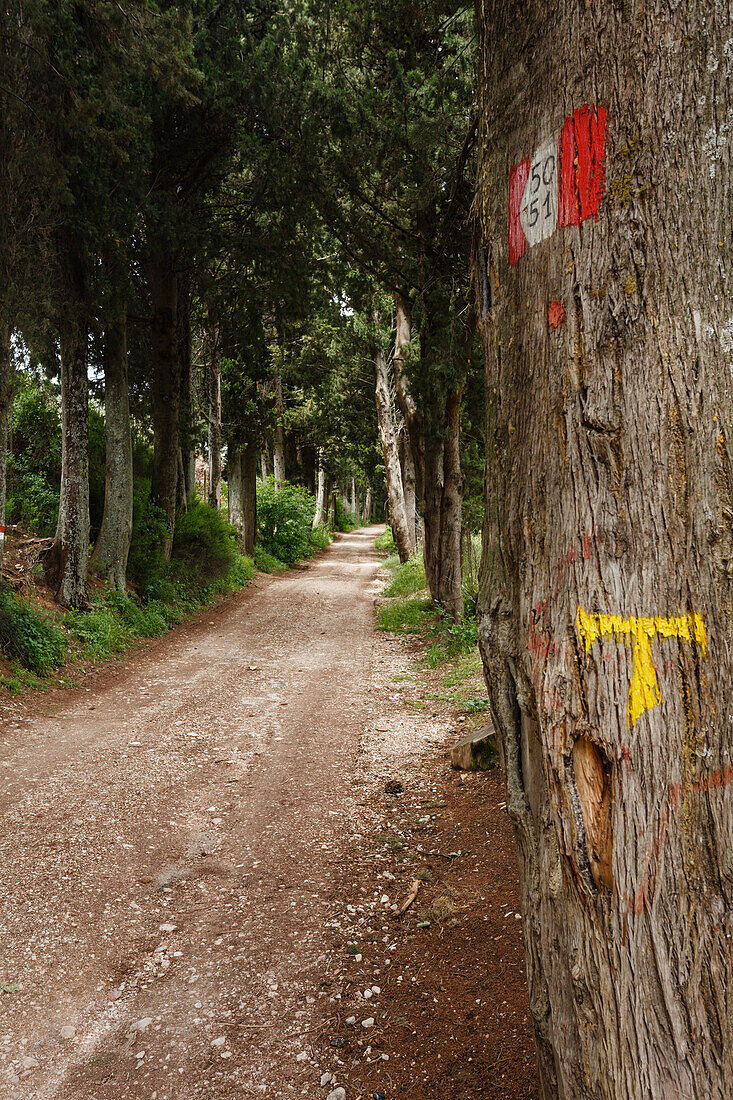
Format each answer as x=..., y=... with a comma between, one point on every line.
x=279, y=449
x=320, y=516
x=249, y=497
x=166, y=389
x=235, y=483
x=605, y=608
x=181, y=489
x=393, y=477
x=113, y=544
x=443, y=486
x=214, y=412
x=265, y=461
x=366, y=514
x=68, y=557
x=408, y=481
x=187, y=411
x=5, y=398
x=352, y=504
x=332, y=497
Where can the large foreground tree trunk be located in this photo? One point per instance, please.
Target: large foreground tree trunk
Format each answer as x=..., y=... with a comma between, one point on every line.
x=113, y=544
x=606, y=608
x=5, y=396
x=68, y=557
x=166, y=388
x=393, y=475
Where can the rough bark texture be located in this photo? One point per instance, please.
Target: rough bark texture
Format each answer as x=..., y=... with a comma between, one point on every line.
x=403, y=335
x=113, y=544
x=243, y=494
x=443, y=510
x=265, y=465
x=68, y=557
x=606, y=604
x=187, y=417
x=5, y=392
x=393, y=476
x=279, y=448
x=366, y=514
x=320, y=516
x=166, y=388
x=214, y=414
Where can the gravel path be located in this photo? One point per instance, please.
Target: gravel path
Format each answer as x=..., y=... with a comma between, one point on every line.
x=173, y=835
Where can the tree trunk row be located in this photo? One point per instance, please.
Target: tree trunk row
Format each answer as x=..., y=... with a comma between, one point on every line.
x=393, y=473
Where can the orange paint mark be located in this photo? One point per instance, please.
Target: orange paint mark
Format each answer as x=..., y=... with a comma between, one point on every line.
x=556, y=314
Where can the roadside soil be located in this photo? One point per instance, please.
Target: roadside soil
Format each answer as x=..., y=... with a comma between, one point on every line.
x=200, y=850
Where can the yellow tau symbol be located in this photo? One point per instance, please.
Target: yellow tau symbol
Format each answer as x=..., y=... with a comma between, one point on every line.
x=644, y=690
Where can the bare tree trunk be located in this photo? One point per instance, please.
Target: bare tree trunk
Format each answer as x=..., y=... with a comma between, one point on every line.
x=366, y=514
x=408, y=481
x=68, y=557
x=332, y=509
x=181, y=490
x=320, y=516
x=249, y=497
x=393, y=477
x=166, y=388
x=113, y=544
x=5, y=398
x=214, y=413
x=265, y=461
x=235, y=482
x=352, y=504
x=442, y=519
x=279, y=450
x=605, y=608
x=187, y=411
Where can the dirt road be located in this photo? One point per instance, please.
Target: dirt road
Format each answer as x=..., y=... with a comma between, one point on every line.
x=181, y=842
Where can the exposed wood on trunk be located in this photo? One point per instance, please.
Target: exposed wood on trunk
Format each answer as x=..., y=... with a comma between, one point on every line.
x=214, y=411
x=606, y=589
x=166, y=387
x=113, y=544
x=388, y=438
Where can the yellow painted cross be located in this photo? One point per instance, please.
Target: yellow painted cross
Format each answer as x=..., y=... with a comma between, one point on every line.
x=644, y=690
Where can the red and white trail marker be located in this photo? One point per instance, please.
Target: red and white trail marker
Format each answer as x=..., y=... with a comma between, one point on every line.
x=561, y=184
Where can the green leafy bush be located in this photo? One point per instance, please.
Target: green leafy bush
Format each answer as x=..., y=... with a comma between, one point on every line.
x=320, y=536
x=203, y=542
x=385, y=541
x=146, y=565
x=285, y=520
x=268, y=563
x=345, y=520
x=29, y=636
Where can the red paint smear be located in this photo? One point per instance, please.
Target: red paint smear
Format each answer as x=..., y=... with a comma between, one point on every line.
x=556, y=314
x=518, y=177
x=582, y=157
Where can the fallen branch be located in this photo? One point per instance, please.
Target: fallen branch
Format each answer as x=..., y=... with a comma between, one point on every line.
x=414, y=890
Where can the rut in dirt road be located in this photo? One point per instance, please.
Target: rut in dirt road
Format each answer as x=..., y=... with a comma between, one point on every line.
x=171, y=843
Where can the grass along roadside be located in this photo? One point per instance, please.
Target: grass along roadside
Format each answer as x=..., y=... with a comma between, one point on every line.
x=448, y=647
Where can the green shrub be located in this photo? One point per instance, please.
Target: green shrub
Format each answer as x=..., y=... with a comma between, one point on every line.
x=345, y=520
x=146, y=565
x=320, y=536
x=29, y=636
x=408, y=577
x=385, y=541
x=32, y=501
x=285, y=521
x=268, y=563
x=203, y=542
x=100, y=631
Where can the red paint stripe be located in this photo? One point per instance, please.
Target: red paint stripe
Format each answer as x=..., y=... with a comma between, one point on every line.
x=582, y=158
x=518, y=177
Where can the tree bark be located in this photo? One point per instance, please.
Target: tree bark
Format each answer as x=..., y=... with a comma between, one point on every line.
x=5, y=398
x=279, y=449
x=214, y=412
x=166, y=388
x=187, y=410
x=366, y=514
x=68, y=557
x=443, y=487
x=113, y=543
x=320, y=516
x=243, y=494
x=605, y=606
x=265, y=461
x=393, y=476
